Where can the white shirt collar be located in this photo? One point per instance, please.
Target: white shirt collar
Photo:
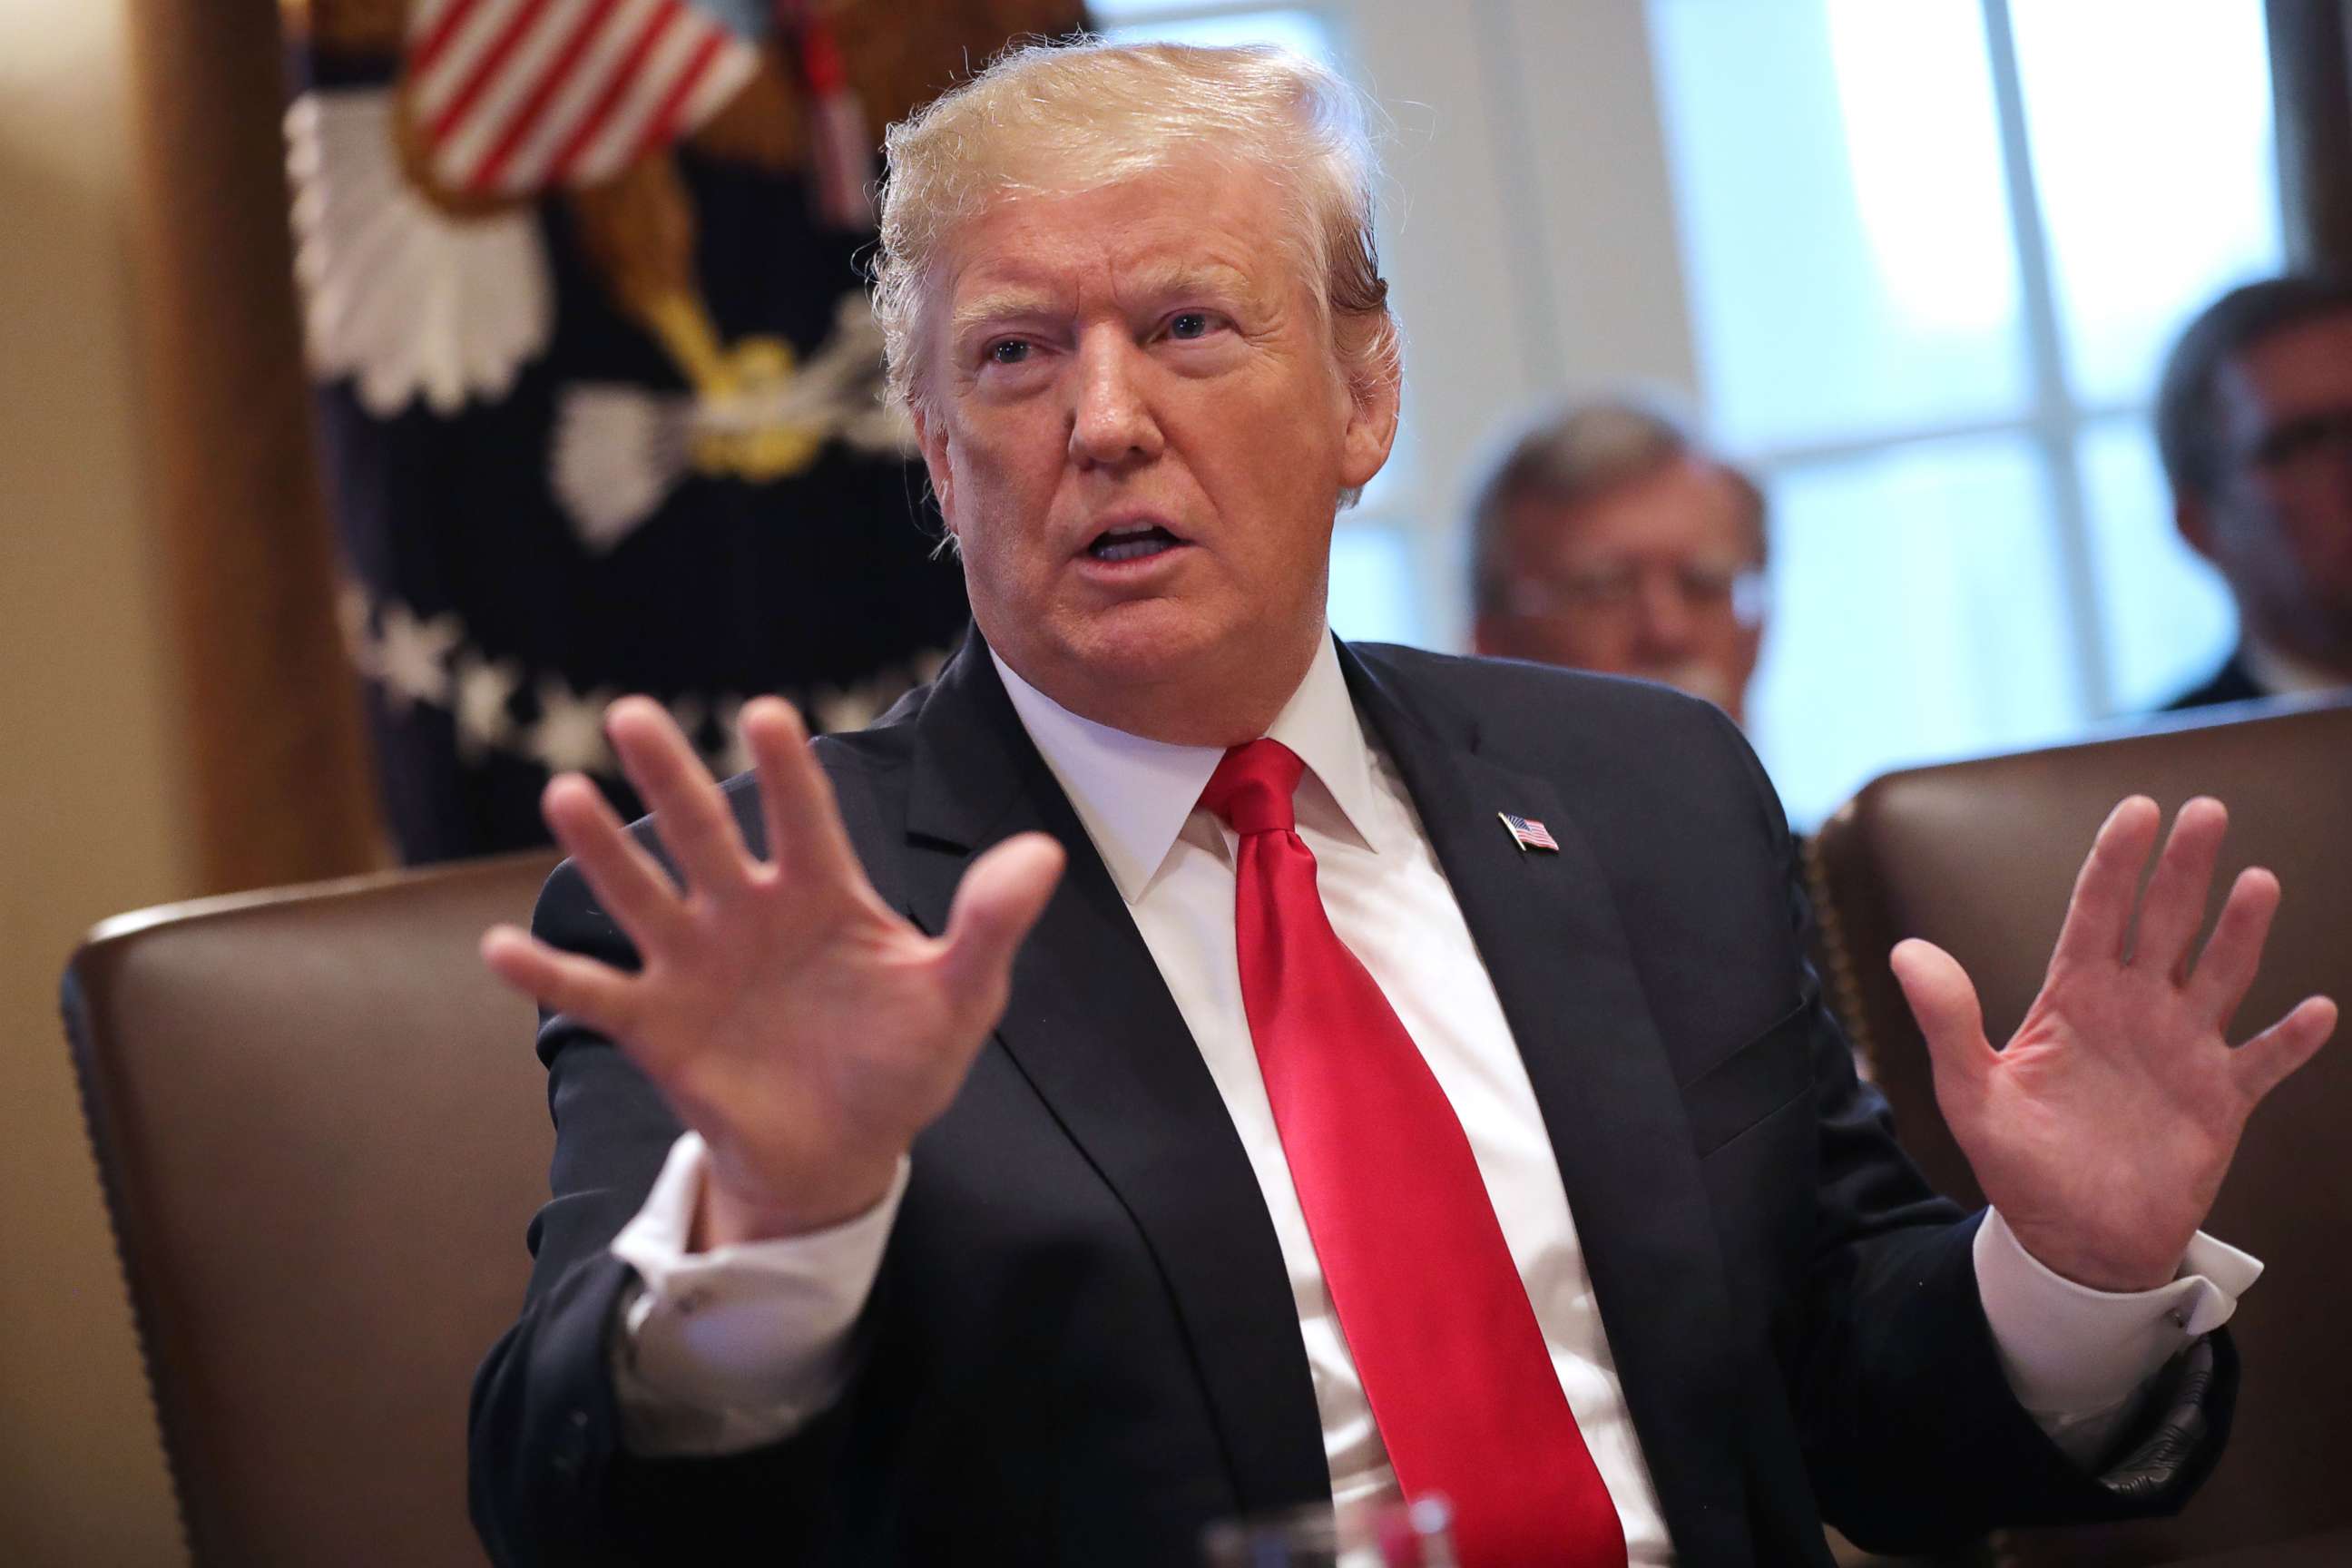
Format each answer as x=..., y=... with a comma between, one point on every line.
x=1134, y=795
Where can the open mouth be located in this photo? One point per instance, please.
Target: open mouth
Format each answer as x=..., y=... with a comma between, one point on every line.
x=1132, y=542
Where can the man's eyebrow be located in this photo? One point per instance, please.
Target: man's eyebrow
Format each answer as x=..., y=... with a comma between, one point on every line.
x=996, y=305
x=1213, y=277
x=1011, y=303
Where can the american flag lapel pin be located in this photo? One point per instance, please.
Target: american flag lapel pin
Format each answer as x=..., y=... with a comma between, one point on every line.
x=1528, y=834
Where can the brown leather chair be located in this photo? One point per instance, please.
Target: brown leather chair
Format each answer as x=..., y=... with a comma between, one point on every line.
x=1978, y=857
x=321, y=1129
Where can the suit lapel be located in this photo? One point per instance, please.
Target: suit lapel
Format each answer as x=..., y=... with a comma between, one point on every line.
x=1092, y=1028
x=1552, y=941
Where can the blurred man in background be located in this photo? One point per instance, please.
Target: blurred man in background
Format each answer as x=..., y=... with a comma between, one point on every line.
x=2254, y=420
x=1608, y=539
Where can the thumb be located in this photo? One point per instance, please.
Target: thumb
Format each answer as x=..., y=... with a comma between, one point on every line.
x=998, y=900
x=1944, y=1002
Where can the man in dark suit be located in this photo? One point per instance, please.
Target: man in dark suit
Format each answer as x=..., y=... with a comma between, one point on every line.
x=2254, y=420
x=1414, y=1085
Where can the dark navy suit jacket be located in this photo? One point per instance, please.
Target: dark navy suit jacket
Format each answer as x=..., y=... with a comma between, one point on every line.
x=1081, y=1345
x=2232, y=682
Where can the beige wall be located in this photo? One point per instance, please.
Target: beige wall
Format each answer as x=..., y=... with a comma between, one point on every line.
x=91, y=775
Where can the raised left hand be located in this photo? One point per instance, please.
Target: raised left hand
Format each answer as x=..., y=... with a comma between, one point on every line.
x=2103, y=1130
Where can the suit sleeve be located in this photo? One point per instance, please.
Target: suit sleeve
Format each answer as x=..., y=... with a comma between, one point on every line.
x=550, y=1480
x=1911, y=1435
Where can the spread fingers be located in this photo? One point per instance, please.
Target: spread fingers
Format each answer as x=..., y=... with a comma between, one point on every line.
x=690, y=813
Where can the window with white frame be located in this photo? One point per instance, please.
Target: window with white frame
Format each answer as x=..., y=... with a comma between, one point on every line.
x=1935, y=253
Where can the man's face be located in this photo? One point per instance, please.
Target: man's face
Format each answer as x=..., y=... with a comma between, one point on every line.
x=1138, y=431
x=2278, y=525
x=1657, y=577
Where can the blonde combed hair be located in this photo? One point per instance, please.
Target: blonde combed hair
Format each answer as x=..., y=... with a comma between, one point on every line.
x=1058, y=118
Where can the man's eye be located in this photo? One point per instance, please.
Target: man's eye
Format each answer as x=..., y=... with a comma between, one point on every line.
x=1007, y=350
x=1189, y=324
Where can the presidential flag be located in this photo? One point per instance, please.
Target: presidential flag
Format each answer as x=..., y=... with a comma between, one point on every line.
x=598, y=390
x=514, y=97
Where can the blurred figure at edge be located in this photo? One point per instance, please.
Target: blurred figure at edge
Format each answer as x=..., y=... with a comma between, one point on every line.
x=2254, y=420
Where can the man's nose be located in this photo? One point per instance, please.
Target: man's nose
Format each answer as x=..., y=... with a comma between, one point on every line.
x=1112, y=423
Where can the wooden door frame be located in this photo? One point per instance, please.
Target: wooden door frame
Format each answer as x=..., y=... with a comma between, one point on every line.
x=279, y=778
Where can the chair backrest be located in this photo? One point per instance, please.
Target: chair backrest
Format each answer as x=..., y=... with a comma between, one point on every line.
x=1978, y=857
x=321, y=1127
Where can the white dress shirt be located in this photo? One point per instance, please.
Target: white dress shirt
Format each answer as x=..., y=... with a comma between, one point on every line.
x=726, y=1350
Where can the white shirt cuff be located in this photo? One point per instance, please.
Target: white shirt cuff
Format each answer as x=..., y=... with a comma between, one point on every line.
x=727, y=1350
x=2071, y=1351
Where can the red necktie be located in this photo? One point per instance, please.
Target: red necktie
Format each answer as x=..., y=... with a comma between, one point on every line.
x=1434, y=1313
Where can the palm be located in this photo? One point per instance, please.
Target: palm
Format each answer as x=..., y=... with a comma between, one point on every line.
x=783, y=1029
x=787, y=1015
x=2103, y=1129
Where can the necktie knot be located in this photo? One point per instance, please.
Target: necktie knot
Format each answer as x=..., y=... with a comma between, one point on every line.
x=1252, y=787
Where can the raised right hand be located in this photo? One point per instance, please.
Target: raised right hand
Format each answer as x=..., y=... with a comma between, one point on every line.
x=784, y=1012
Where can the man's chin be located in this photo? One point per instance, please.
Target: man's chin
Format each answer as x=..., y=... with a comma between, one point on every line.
x=1696, y=680
x=1141, y=642
x=1150, y=641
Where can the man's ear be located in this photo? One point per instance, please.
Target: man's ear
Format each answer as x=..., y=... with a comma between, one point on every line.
x=931, y=438
x=1372, y=407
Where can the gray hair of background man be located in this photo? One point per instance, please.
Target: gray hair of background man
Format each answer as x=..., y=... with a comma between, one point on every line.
x=1570, y=455
x=2187, y=427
